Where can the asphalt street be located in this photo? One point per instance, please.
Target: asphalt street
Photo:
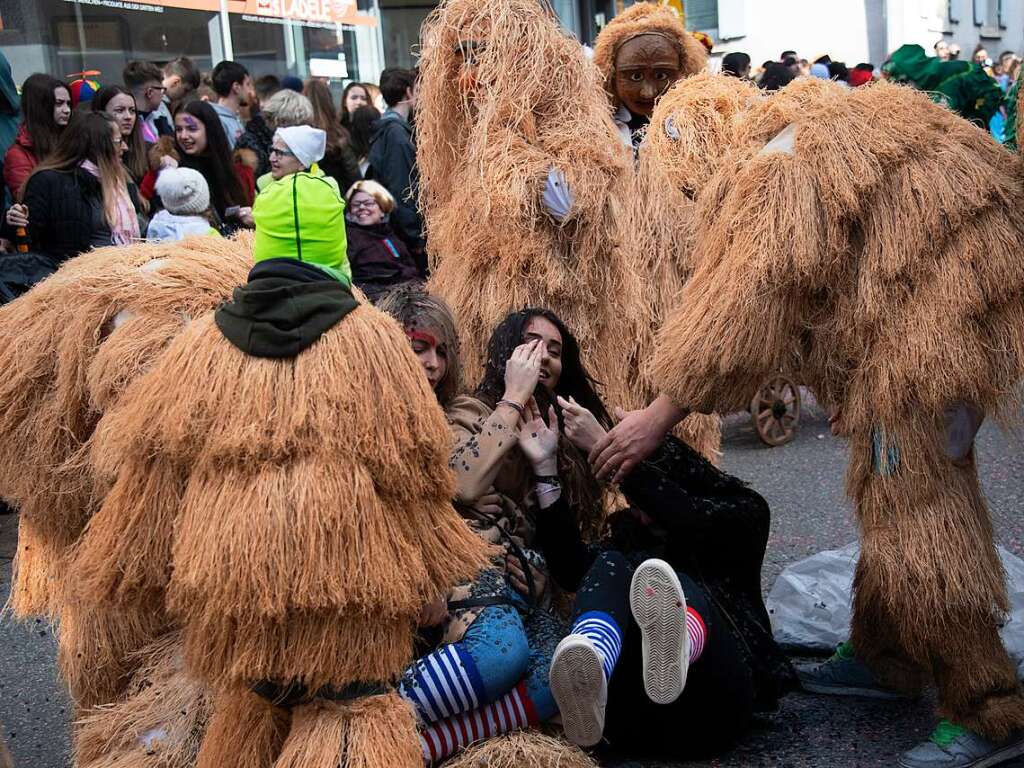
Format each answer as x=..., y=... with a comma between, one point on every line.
x=803, y=482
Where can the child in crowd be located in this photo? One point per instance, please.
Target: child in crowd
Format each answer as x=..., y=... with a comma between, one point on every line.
x=186, y=198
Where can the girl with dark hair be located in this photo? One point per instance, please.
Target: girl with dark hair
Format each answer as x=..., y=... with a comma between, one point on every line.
x=81, y=196
x=353, y=97
x=46, y=107
x=360, y=129
x=669, y=624
x=339, y=162
x=202, y=145
x=119, y=103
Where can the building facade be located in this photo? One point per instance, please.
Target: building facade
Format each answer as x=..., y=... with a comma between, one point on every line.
x=856, y=31
x=355, y=39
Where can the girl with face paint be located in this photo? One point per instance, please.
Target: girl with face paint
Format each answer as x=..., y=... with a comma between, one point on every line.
x=202, y=145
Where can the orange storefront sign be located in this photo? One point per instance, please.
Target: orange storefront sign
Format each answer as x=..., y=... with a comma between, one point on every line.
x=324, y=11
x=319, y=11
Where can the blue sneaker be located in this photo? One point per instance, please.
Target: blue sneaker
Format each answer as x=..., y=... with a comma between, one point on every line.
x=951, y=746
x=844, y=675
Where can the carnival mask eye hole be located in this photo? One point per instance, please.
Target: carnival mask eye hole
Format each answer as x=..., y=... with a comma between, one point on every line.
x=670, y=129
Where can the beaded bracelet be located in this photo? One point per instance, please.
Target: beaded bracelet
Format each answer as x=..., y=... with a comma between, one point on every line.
x=514, y=405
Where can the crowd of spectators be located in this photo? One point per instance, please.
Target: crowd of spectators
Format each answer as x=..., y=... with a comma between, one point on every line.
x=172, y=151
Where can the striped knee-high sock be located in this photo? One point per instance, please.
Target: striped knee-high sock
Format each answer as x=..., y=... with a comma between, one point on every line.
x=443, y=683
x=511, y=712
x=698, y=633
x=603, y=631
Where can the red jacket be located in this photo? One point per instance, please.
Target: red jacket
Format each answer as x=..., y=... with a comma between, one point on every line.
x=19, y=162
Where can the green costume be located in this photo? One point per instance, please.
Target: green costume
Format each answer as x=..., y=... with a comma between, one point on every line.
x=302, y=217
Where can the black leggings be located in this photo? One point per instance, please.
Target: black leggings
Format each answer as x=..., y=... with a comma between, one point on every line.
x=716, y=706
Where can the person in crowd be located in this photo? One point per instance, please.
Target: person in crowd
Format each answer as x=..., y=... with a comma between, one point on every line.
x=736, y=64
x=10, y=118
x=266, y=86
x=379, y=258
x=201, y=145
x=670, y=626
x=285, y=108
x=392, y=157
x=46, y=110
x=299, y=212
x=292, y=83
x=941, y=49
x=839, y=72
x=145, y=80
x=81, y=196
x=353, y=97
x=181, y=79
x=186, y=199
x=820, y=71
x=862, y=74
x=339, y=162
x=980, y=56
x=775, y=76
x=233, y=86
x=361, y=131
x=119, y=103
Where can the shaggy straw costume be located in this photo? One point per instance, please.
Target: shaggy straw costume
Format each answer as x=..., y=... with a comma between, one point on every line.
x=884, y=267
x=293, y=515
x=657, y=208
x=158, y=724
x=488, y=136
x=83, y=335
x=522, y=749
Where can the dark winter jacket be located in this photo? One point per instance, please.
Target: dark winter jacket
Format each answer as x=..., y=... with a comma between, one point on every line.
x=392, y=161
x=65, y=213
x=706, y=524
x=342, y=165
x=10, y=112
x=378, y=258
x=256, y=139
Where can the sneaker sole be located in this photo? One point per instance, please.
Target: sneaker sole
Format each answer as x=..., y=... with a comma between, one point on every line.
x=578, y=686
x=860, y=693
x=1006, y=753
x=659, y=608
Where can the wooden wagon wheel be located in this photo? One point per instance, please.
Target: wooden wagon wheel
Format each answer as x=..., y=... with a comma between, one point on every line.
x=775, y=410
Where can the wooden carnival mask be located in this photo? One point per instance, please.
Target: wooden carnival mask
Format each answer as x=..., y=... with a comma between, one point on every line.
x=646, y=66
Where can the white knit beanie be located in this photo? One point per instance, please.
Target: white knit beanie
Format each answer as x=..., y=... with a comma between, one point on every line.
x=307, y=143
x=183, y=191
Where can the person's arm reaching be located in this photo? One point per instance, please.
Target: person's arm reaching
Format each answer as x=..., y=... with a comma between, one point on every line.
x=637, y=435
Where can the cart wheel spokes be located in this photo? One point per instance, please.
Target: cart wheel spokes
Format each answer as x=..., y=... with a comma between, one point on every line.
x=775, y=410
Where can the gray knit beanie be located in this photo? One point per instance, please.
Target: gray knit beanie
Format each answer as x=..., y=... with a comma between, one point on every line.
x=183, y=191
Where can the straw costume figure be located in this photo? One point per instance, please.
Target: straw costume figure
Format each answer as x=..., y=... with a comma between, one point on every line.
x=884, y=267
x=523, y=181
x=280, y=490
x=83, y=335
x=641, y=53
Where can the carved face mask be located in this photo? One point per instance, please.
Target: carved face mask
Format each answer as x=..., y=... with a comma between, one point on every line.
x=468, y=51
x=645, y=67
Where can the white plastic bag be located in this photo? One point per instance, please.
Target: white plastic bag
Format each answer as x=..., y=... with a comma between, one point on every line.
x=809, y=604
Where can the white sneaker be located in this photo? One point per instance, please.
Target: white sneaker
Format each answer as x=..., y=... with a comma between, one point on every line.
x=659, y=608
x=580, y=689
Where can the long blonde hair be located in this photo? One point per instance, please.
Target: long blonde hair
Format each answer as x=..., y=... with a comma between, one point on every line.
x=87, y=137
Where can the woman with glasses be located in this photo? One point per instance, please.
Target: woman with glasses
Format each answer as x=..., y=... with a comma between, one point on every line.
x=379, y=258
